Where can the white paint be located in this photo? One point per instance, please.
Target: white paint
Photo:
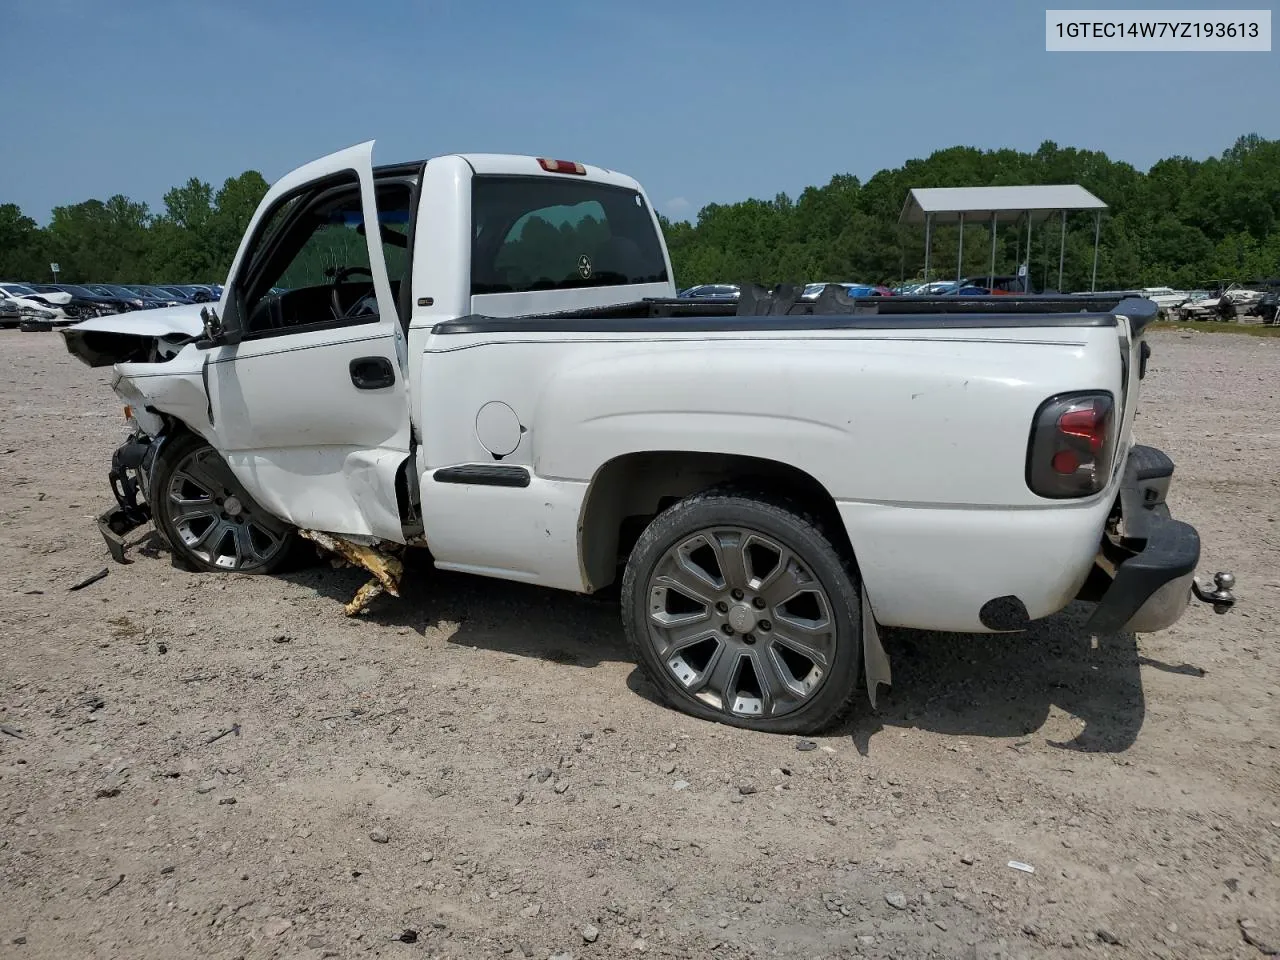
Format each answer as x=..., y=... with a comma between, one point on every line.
x=919, y=435
x=160, y=322
x=498, y=428
x=528, y=534
x=175, y=387
x=305, y=442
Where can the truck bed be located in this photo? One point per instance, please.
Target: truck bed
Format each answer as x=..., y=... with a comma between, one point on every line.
x=757, y=309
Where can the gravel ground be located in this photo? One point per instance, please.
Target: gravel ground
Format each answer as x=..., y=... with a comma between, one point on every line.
x=480, y=765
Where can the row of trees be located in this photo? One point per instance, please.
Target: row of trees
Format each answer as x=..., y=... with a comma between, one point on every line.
x=1184, y=222
x=192, y=241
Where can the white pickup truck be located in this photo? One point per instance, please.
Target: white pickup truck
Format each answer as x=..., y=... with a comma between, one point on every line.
x=484, y=356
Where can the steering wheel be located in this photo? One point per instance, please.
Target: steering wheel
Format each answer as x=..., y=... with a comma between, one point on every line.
x=340, y=274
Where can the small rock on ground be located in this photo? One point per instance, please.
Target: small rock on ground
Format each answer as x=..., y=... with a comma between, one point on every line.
x=276, y=926
x=1267, y=942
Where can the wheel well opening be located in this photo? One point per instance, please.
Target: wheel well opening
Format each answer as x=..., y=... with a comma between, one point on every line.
x=629, y=491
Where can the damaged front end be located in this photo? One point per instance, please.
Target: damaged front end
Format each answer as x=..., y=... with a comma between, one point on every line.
x=130, y=465
x=161, y=375
x=139, y=346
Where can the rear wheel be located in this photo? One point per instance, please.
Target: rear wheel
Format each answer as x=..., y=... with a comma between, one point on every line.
x=208, y=518
x=741, y=610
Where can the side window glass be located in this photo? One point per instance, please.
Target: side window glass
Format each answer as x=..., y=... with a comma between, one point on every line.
x=312, y=267
x=333, y=244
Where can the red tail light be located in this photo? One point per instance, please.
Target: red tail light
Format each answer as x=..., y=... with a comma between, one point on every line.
x=562, y=166
x=1088, y=424
x=1072, y=445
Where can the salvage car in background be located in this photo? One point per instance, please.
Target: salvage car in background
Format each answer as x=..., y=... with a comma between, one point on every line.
x=1269, y=305
x=712, y=291
x=814, y=290
x=125, y=295
x=197, y=292
x=55, y=307
x=88, y=303
x=153, y=297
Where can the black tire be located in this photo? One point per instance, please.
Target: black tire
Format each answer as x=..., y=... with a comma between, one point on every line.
x=727, y=513
x=188, y=452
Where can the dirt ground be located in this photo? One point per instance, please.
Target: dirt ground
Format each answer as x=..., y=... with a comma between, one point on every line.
x=479, y=763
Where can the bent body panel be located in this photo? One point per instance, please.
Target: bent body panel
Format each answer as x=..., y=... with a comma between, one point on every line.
x=933, y=568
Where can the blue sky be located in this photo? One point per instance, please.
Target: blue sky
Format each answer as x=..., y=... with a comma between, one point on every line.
x=701, y=101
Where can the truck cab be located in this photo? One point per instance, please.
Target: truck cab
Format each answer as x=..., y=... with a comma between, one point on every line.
x=369, y=259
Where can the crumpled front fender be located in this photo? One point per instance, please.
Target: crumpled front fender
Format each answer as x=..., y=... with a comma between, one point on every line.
x=175, y=387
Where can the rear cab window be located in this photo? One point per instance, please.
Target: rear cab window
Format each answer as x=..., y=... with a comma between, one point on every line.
x=532, y=233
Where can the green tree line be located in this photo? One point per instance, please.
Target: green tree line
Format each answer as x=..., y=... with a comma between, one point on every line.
x=192, y=241
x=1184, y=222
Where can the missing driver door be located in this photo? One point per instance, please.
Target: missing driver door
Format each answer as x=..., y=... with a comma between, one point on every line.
x=310, y=408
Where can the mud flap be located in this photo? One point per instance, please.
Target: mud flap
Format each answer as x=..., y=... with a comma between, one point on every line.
x=875, y=662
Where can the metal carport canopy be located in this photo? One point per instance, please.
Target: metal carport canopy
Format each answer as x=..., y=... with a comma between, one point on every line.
x=930, y=205
x=950, y=204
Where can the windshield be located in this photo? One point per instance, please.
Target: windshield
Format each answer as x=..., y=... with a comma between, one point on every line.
x=17, y=289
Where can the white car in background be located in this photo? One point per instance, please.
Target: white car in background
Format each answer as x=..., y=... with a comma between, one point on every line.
x=35, y=305
x=1166, y=298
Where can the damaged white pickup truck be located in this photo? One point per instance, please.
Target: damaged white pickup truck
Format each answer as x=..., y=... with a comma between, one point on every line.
x=483, y=356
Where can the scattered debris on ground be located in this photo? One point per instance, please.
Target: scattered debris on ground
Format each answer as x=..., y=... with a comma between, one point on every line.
x=1136, y=776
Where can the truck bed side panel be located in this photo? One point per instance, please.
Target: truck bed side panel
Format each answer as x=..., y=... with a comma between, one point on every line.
x=920, y=436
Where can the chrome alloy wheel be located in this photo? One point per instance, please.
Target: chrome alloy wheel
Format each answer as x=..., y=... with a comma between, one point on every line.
x=740, y=622
x=215, y=518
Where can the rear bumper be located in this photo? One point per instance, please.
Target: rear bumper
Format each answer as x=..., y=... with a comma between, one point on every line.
x=1144, y=575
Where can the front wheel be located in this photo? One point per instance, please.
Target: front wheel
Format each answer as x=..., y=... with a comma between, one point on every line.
x=208, y=518
x=741, y=610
